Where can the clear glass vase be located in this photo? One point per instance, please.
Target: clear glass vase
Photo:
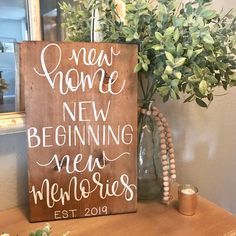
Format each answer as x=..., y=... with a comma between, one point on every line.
x=149, y=163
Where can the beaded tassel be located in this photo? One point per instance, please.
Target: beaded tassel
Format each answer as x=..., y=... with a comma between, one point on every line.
x=166, y=150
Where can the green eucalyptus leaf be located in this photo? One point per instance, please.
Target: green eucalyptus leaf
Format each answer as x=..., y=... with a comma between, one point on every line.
x=190, y=53
x=180, y=49
x=145, y=66
x=178, y=21
x=166, y=97
x=136, y=35
x=225, y=85
x=197, y=71
x=211, y=79
x=190, y=19
x=211, y=58
x=189, y=88
x=203, y=87
x=164, y=90
x=179, y=61
x=176, y=35
x=208, y=14
x=189, y=99
x=126, y=30
x=194, y=79
x=158, y=47
x=173, y=94
x=207, y=38
x=159, y=36
x=168, y=70
x=170, y=57
x=221, y=65
x=130, y=7
x=160, y=69
x=195, y=38
x=162, y=12
x=198, y=51
x=210, y=97
x=200, y=22
x=233, y=50
x=175, y=82
x=170, y=47
x=169, y=31
x=189, y=8
x=165, y=77
x=39, y=232
x=195, y=35
x=138, y=67
x=177, y=74
x=209, y=47
x=198, y=93
x=201, y=103
x=140, y=57
x=195, y=42
x=144, y=12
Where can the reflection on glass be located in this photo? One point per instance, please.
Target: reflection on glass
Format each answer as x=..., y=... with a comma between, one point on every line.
x=51, y=19
x=13, y=29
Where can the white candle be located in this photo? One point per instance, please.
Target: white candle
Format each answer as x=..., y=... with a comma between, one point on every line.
x=188, y=191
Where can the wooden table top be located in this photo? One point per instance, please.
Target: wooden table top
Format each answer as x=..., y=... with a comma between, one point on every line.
x=152, y=218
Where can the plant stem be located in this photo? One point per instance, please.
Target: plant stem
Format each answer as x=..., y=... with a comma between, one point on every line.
x=141, y=84
x=140, y=127
x=153, y=157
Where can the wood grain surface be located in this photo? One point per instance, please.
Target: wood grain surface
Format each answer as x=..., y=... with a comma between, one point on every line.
x=151, y=219
x=80, y=101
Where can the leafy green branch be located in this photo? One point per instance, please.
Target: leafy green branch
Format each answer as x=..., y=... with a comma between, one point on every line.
x=183, y=48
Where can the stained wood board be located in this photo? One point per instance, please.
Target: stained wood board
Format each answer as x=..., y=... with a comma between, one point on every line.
x=81, y=119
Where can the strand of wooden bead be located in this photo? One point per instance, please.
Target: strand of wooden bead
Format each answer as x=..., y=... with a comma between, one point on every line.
x=170, y=155
x=170, y=148
x=166, y=147
x=164, y=154
x=169, y=144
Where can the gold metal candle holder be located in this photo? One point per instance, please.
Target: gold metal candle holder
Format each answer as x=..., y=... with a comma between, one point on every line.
x=187, y=195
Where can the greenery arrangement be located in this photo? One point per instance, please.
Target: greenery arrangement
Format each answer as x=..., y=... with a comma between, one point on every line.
x=45, y=231
x=183, y=48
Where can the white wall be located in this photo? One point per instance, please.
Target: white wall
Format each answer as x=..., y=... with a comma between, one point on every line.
x=205, y=147
x=226, y=5
x=204, y=141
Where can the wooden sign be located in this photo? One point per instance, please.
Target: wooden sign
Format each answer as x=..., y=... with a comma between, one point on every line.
x=81, y=101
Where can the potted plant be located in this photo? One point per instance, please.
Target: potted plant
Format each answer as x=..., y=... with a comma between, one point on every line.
x=183, y=49
x=3, y=87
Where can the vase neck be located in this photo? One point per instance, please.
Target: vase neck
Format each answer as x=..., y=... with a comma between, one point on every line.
x=146, y=103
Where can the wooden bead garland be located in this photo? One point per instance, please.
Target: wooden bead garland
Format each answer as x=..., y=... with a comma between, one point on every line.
x=166, y=150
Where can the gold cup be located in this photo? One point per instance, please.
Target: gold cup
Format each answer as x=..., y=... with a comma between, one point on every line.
x=187, y=195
